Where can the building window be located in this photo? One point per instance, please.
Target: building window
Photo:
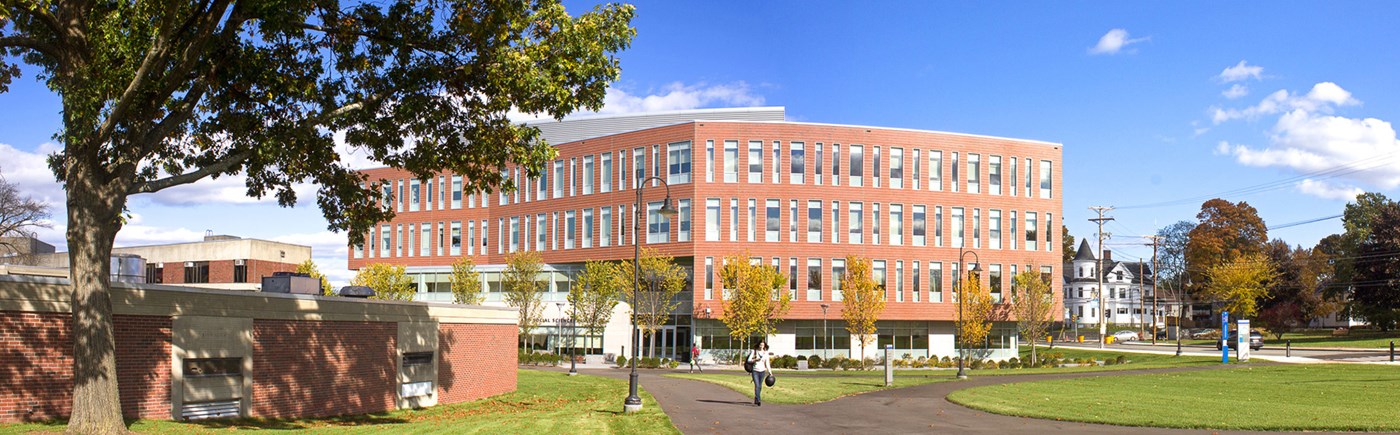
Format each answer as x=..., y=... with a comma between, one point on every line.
x=155, y=273
x=731, y=161
x=588, y=227
x=710, y=161
x=938, y=226
x=896, y=168
x=196, y=272
x=814, y=221
x=799, y=163
x=857, y=165
x=917, y=272
x=606, y=177
x=919, y=229
x=1011, y=177
x=974, y=173
x=514, y=234
x=935, y=170
x=712, y=219
x=917, y=178
x=755, y=161
x=935, y=281
x=1045, y=179
x=994, y=175
x=977, y=228
x=836, y=227
x=875, y=167
x=1011, y=241
x=240, y=270
x=425, y=237
x=683, y=213
x=953, y=166
x=877, y=272
x=709, y=278
x=415, y=192
x=570, y=229
x=814, y=278
x=994, y=278
x=1028, y=178
x=994, y=229
x=655, y=162
x=554, y=222
x=792, y=221
x=836, y=164
x=399, y=237
x=541, y=231
x=838, y=272
x=957, y=217
x=875, y=223
x=777, y=162
x=658, y=228
x=772, y=220
x=501, y=235
x=678, y=163
x=752, y=222
x=558, y=178
x=733, y=219
x=1049, y=233
x=896, y=224
x=573, y=176
x=588, y=175
x=857, y=223
x=817, y=163
x=899, y=281
x=1030, y=231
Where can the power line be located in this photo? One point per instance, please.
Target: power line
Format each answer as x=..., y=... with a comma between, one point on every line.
x=1364, y=164
x=1294, y=224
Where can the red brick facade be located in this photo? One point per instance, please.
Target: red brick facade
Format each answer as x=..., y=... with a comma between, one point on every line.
x=37, y=365
x=221, y=271
x=475, y=361
x=951, y=193
x=314, y=368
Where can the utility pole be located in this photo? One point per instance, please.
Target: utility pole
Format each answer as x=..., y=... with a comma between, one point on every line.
x=1155, y=240
x=1103, y=325
x=1142, y=303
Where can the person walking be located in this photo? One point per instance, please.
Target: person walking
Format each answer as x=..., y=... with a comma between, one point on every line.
x=695, y=359
x=760, y=358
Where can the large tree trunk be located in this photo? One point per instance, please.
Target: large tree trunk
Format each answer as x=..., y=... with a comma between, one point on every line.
x=94, y=214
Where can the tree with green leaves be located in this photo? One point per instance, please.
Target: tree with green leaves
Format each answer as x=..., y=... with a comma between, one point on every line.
x=1067, y=248
x=308, y=267
x=389, y=282
x=1239, y=284
x=156, y=95
x=1375, y=291
x=1034, y=305
x=758, y=300
x=653, y=294
x=524, y=290
x=862, y=300
x=595, y=293
x=975, y=322
x=466, y=282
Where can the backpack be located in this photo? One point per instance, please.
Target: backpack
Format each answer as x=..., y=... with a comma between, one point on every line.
x=748, y=366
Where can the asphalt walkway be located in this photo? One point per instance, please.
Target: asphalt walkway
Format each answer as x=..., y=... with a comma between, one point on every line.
x=697, y=407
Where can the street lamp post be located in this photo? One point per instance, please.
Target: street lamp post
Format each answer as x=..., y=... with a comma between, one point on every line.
x=634, y=402
x=957, y=289
x=826, y=334
x=573, y=338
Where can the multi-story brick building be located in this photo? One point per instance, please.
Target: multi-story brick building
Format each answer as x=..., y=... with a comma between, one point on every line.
x=799, y=196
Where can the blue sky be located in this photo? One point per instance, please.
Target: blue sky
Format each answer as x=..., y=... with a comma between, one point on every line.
x=1154, y=102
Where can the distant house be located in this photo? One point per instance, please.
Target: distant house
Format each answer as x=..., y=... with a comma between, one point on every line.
x=1128, y=295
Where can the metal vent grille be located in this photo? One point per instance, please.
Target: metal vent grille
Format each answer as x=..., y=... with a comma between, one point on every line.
x=215, y=409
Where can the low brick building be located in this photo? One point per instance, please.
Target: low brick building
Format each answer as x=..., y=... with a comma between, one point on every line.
x=187, y=353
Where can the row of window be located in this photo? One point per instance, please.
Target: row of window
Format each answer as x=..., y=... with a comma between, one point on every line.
x=901, y=225
x=595, y=173
x=1094, y=312
x=570, y=229
x=898, y=161
x=807, y=284
x=1122, y=293
x=196, y=272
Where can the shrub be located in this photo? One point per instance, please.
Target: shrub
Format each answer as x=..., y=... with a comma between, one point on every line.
x=621, y=361
x=1110, y=361
x=814, y=362
x=1014, y=360
x=834, y=363
x=675, y=364
x=802, y=357
x=1122, y=359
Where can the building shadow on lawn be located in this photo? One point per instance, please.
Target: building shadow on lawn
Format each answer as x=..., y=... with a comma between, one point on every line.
x=295, y=424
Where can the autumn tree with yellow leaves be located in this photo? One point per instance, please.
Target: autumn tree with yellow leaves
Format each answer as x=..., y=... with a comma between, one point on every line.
x=757, y=301
x=862, y=300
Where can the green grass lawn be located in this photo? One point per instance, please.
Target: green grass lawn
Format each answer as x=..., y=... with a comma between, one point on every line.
x=544, y=402
x=798, y=389
x=1324, y=338
x=1313, y=397
x=823, y=385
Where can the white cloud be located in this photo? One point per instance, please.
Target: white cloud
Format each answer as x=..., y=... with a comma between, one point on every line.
x=1114, y=41
x=141, y=235
x=29, y=172
x=1323, y=97
x=1241, y=71
x=1237, y=90
x=678, y=96
x=1323, y=189
x=1341, y=155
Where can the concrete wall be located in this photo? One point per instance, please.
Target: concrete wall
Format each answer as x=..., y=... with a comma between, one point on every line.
x=301, y=355
x=242, y=249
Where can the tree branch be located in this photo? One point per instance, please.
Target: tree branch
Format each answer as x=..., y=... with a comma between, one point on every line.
x=41, y=14
x=16, y=41
x=189, y=177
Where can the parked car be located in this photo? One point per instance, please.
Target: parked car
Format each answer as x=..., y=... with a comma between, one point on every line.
x=1205, y=334
x=1256, y=341
x=1125, y=336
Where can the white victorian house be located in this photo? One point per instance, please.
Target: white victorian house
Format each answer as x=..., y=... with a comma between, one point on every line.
x=1127, y=297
